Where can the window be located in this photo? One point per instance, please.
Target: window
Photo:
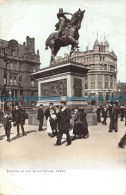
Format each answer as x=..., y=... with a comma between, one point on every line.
x=11, y=65
x=92, y=66
x=11, y=81
x=100, y=66
x=89, y=59
x=106, y=85
x=15, y=81
x=105, y=66
x=100, y=94
x=86, y=86
x=92, y=77
x=99, y=85
x=111, y=78
x=92, y=85
x=99, y=77
x=13, y=53
x=106, y=77
x=32, y=83
x=4, y=81
x=15, y=93
x=86, y=78
x=107, y=95
x=111, y=85
x=111, y=68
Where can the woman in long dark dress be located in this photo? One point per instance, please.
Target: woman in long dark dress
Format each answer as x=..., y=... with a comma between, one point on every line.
x=84, y=130
x=80, y=124
x=77, y=124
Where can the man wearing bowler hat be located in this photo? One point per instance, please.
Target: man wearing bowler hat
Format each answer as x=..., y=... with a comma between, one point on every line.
x=65, y=116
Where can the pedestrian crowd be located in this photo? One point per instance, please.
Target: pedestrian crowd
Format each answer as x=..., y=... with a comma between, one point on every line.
x=113, y=111
x=59, y=120
x=17, y=116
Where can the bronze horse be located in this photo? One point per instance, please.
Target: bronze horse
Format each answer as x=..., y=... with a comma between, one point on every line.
x=69, y=36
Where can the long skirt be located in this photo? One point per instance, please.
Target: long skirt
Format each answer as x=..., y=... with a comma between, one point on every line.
x=49, y=129
x=77, y=130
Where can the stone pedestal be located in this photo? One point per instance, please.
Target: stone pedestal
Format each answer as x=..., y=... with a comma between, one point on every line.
x=56, y=83
x=61, y=82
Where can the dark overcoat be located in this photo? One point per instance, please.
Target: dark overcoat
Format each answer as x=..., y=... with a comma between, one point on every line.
x=64, y=118
x=40, y=114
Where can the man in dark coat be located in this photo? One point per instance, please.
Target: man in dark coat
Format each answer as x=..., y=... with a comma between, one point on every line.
x=40, y=117
x=65, y=116
x=110, y=109
x=83, y=115
x=98, y=111
x=114, y=119
x=1, y=115
x=104, y=115
x=19, y=116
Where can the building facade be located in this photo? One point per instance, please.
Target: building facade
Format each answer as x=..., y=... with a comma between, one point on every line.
x=121, y=92
x=17, y=62
x=101, y=78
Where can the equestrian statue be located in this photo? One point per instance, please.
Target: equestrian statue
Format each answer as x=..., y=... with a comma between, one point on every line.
x=67, y=33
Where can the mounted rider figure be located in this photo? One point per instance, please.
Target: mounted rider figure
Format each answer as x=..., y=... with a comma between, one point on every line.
x=62, y=22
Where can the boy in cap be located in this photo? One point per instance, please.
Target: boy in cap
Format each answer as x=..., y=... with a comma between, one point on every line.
x=7, y=124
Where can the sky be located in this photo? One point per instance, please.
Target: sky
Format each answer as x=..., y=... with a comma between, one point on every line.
x=103, y=19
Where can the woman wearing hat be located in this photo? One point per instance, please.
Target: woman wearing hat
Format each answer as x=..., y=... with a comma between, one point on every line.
x=80, y=124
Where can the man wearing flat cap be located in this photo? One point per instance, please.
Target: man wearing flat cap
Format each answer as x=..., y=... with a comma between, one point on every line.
x=65, y=116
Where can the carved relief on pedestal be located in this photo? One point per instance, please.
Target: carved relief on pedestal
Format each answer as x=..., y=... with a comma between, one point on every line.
x=77, y=87
x=54, y=89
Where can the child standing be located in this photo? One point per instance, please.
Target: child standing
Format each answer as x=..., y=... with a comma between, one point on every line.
x=7, y=124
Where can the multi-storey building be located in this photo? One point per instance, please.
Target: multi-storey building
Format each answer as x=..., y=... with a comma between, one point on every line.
x=17, y=62
x=101, y=78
